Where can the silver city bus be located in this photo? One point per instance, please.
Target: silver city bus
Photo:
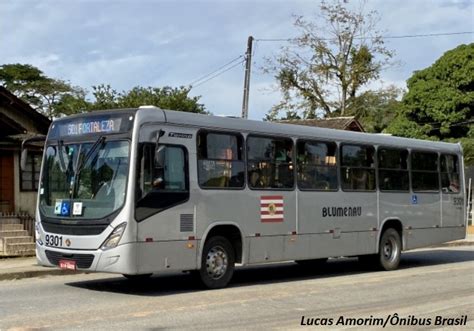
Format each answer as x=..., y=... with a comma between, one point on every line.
x=140, y=191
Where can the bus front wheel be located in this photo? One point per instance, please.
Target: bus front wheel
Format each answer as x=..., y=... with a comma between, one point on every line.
x=217, y=263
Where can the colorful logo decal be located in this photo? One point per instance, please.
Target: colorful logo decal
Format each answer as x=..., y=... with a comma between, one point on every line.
x=271, y=209
x=62, y=207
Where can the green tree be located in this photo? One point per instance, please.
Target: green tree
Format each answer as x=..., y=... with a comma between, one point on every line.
x=163, y=97
x=376, y=109
x=55, y=97
x=34, y=87
x=439, y=103
x=325, y=67
x=72, y=103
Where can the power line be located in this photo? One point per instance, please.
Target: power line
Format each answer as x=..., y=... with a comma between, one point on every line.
x=213, y=72
x=383, y=37
x=428, y=35
x=217, y=74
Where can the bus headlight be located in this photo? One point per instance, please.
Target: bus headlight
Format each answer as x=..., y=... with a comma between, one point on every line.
x=114, y=238
x=38, y=234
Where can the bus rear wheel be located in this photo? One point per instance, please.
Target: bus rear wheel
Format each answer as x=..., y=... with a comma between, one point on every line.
x=217, y=263
x=390, y=250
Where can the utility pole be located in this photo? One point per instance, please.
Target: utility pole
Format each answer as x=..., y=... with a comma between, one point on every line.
x=248, y=63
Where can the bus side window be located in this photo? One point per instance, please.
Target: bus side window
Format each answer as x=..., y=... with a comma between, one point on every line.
x=220, y=160
x=450, y=174
x=393, y=169
x=424, y=167
x=316, y=165
x=162, y=179
x=270, y=163
x=357, y=167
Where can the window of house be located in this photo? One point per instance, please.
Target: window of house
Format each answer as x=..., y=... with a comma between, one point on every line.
x=393, y=169
x=424, y=167
x=220, y=160
x=450, y=174
x=316, y=165
x=270, y=163
x=357, y=168
x=29, y=178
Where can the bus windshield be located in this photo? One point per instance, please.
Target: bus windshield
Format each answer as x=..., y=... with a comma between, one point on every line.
x=80, y=187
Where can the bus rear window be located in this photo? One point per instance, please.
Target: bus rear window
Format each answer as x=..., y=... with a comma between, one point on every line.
x=450, y=182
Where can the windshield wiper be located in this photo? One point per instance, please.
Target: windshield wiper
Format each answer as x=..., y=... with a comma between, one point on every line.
x=81, y=162
x=89, y=154
x=62, y=163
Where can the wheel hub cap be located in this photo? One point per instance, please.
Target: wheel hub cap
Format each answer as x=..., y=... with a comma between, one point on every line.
x=216, y=262
x=390, y=249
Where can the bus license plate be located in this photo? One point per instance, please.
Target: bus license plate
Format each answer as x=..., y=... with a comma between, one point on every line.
x=67, y=264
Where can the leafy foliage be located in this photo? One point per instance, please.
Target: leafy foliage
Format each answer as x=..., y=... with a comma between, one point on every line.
x=337, y=53
x=440, y=98
x=439, y=104
x=376, y=109
x=165, y=97
x=56, y=98
x=42, y=92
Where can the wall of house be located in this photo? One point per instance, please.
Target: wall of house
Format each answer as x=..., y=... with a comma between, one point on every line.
x=24, y=201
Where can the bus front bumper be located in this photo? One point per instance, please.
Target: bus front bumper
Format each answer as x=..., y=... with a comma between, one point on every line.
x=116, y=260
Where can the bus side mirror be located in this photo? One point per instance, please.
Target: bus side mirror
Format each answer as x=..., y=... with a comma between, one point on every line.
x=158, y=148
x=159, y=156
x=23, y=159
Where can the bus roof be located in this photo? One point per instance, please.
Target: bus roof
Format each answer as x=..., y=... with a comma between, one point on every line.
x=293, y=130
x=153, y=114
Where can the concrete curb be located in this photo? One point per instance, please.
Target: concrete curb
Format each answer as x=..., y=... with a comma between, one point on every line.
x=455, y=244
x=36, y=273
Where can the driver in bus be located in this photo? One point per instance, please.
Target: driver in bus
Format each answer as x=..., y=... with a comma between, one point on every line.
x=115, y=186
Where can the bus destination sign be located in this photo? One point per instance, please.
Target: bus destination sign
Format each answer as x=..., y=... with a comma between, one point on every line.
x=88, y=126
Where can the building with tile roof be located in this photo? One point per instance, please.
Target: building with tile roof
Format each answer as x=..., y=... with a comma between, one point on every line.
x=18, y=121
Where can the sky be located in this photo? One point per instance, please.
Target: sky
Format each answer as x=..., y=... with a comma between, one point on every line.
x=158, y=43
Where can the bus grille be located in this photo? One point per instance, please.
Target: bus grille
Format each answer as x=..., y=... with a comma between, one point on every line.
x=83, y=261
x=76, y=230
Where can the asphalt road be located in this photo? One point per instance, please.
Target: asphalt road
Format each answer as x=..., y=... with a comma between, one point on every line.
x=429, y=283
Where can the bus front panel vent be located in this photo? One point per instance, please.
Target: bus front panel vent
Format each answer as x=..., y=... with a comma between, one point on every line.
x=186, y=223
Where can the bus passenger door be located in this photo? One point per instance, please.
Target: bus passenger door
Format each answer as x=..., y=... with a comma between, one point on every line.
x=164, y=212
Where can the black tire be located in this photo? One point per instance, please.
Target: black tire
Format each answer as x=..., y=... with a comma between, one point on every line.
x=137, y=278
x=313, y=263
x=217, y=263
x=390, y=250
